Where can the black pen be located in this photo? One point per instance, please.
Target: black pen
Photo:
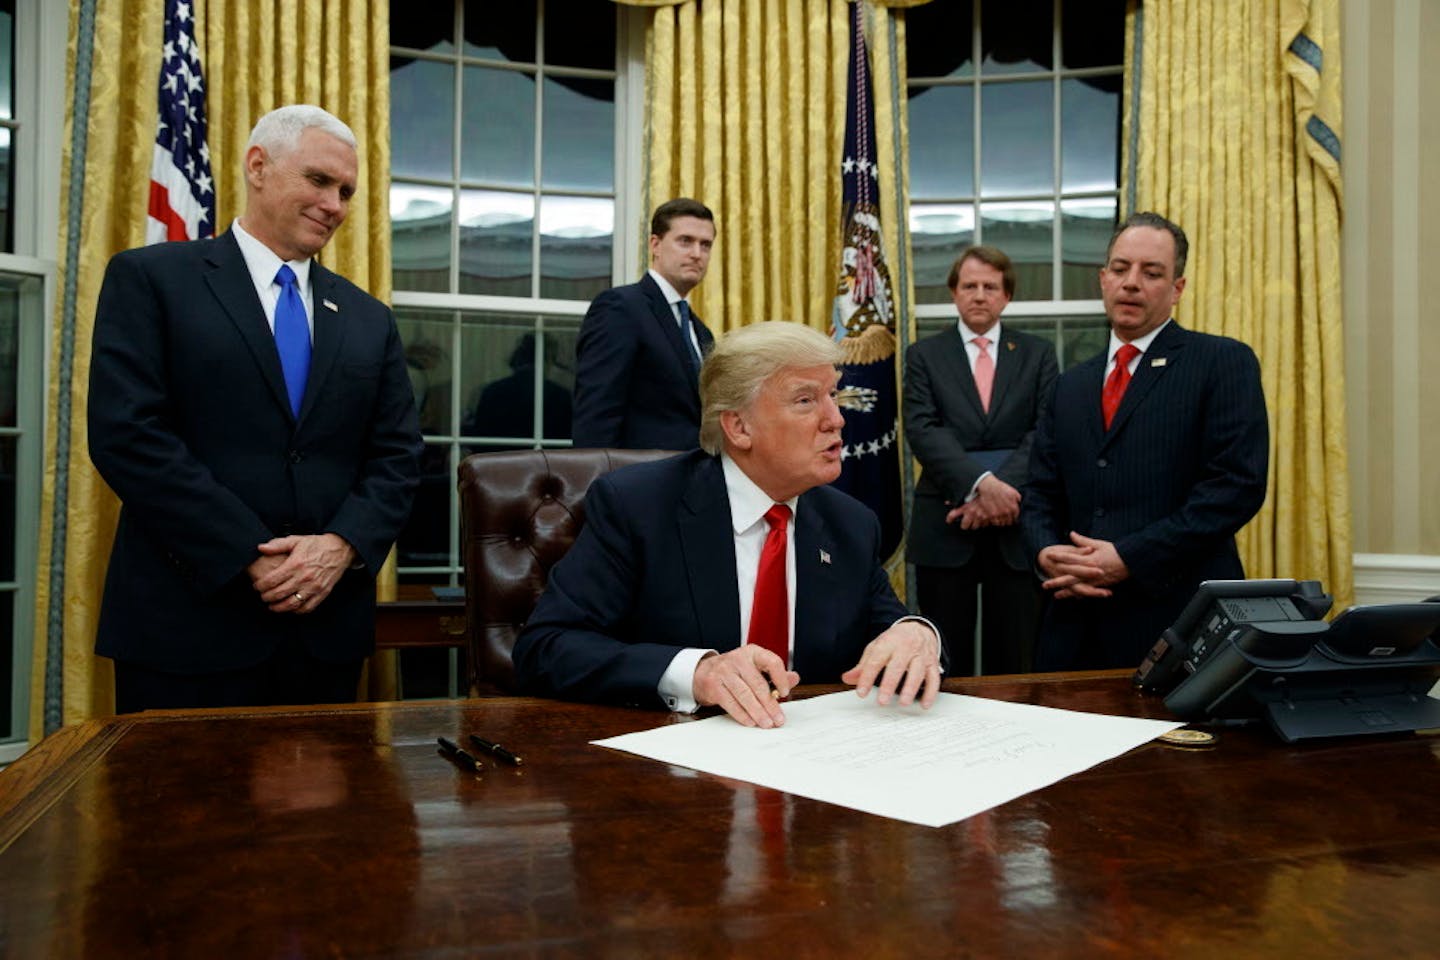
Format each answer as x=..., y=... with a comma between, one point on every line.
x=495, y=750
x=454, y=753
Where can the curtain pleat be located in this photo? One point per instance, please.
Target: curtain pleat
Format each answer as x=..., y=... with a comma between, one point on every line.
x=745, y=113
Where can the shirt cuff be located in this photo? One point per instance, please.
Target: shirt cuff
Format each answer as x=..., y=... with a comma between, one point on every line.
x=677, y=683
x=939, y=647
x=974, y=492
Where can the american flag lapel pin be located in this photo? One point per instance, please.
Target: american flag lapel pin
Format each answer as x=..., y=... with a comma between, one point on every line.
x=330, y=305
x=824, y=557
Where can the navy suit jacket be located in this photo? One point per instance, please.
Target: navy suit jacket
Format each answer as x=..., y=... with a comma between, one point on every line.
x=635, y=383
x=1181, y=469
x=945, y=423
x=190, y=425
x=653, y=571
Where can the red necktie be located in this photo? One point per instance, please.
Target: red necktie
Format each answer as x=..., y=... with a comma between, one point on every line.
x=984, y=372
x=1118, y=380
x=770, y=613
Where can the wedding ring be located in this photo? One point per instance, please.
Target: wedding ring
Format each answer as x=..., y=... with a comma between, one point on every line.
x=299, y=597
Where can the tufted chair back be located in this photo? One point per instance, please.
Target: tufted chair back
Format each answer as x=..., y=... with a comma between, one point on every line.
x=520, y=510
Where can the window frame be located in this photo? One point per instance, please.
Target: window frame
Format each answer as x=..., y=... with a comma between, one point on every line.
x=533, y=311
x=40, y=37
x=1023, y=314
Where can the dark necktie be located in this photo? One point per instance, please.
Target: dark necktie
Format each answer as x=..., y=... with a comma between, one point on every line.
x=687, y=326
x=292, y=337
x=770, y=613
x=1118, y=380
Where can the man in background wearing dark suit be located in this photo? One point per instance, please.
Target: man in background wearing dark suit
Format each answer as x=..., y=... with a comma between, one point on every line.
x=637, y=359
x=1147, y=461
x=252, y=411
x=689, y=584
x=972, y=395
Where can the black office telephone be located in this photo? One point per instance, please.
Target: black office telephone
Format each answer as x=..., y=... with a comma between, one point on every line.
x=1248, y=650
x=1220, y=610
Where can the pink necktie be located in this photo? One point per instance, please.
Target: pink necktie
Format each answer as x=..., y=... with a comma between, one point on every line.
x=984, y=372
x=770, y=613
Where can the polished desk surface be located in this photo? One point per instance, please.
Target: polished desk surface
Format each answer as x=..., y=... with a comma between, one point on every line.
x=340, y=832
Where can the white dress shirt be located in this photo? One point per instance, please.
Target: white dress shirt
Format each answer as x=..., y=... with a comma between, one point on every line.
x=748, y=505
x=1140, y=343
x=972, y=353
x=263, y=264
x=673, y=298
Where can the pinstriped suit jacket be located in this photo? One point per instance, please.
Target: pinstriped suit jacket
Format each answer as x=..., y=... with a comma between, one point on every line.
x=1181, y=469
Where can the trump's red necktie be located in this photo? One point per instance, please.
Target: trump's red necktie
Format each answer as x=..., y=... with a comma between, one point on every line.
x=1118, y=380
x=770, y=612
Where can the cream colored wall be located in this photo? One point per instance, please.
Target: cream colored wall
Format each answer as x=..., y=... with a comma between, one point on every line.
x=1391, y=164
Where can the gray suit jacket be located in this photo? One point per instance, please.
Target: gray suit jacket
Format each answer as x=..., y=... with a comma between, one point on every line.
x=945, y=424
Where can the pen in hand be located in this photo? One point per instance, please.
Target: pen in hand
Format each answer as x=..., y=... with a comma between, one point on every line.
x=452, y=752
x=495, y=750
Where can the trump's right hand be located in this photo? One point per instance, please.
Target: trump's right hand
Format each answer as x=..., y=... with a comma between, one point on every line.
x=736, y=682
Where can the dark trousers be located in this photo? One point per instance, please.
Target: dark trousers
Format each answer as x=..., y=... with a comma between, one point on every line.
x=1011, y=611
x=290, y=677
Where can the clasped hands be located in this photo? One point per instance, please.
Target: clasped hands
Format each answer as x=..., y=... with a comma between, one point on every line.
x=295, y=574
x=1085, y=567
x=740, y=681
x=996, y=504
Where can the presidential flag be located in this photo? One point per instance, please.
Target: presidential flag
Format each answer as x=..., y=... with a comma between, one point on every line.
x=864, y=315
x=182, y=195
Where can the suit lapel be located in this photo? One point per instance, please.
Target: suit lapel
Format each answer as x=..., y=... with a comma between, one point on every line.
x=707, y=542
x=329, y=333
x=1154, y=364
x=1092, y=380
x=814, y=582
x=670, y=328
x=230, y=283
x=1010, y=356
x=962, y=376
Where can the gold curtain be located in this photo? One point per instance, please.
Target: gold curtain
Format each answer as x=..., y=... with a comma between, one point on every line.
x=1236, y=137
x=745, y=112
x=333, y=53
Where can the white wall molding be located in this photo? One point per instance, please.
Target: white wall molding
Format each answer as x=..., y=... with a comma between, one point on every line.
x=1396, y=577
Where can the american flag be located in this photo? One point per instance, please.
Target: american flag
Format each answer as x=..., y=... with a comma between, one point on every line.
x=182, y=195
x=864, y=313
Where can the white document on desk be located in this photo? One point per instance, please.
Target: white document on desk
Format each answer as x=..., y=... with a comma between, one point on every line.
x=932, y=767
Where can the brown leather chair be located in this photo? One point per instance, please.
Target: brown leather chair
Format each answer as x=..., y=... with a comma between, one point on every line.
x=520, y=511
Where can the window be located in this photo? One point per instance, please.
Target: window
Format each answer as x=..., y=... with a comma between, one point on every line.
x=32, y=86
x=507, y=219
x=1014, y=142
x=7, y=124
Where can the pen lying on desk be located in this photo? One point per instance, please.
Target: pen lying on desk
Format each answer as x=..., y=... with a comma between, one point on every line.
x=452, y=752
x=495, y=750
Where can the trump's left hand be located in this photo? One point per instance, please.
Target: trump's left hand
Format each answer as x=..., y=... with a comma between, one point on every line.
x=909, y=649
x=311, y=567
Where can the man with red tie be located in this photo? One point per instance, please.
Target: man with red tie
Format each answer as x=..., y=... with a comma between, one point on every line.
x=1145, y=463
x=709, y=578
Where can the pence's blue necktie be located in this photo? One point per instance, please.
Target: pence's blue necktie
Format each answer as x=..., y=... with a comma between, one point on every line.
x=292, y=336
x=687, y=325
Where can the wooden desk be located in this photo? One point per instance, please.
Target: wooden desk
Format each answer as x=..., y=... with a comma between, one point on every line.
x=429, y=622
x=340, y=832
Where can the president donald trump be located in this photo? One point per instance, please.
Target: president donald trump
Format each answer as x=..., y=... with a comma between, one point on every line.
x=709, y=578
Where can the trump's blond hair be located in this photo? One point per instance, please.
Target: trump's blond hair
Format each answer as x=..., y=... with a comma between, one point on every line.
x=743, y=359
